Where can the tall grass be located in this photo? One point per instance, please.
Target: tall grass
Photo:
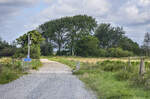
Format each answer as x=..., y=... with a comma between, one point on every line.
x=11, y=69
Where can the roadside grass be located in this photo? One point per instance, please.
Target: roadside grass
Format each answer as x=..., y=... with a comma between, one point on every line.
x=111, y=79
x=12, y=69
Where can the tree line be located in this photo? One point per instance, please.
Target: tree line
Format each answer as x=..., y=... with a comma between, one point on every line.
x=79, y=35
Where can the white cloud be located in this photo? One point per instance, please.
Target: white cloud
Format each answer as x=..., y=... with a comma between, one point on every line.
x=131, y=14
x=97, y=7
x=144, y=2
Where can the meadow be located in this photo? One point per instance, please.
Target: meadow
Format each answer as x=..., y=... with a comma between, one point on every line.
x=12, y=69
x=111, y=78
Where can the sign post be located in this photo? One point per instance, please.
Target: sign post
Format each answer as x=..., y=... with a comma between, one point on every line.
x=28, y=59
x=28, y=56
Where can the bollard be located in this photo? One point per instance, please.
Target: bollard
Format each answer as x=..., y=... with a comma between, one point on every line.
x=77, y=67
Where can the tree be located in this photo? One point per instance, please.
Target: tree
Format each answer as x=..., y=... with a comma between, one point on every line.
x=54, y=32
x=87, y=46
x=36, y=39
x=109, y=36
x=35, y=36
x=6, y=49
x=79, y=26
x=46, y=49
x=64, y=32
x=127, y=44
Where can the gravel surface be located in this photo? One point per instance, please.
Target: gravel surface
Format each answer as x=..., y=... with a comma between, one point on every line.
x=52, y=81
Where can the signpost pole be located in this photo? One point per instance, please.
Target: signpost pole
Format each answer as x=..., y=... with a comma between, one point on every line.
x=28, y=56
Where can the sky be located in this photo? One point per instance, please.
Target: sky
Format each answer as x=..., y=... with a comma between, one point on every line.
x=20, y=16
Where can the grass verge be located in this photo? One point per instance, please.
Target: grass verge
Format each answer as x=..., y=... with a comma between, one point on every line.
x=12, y=69
x=112, y=79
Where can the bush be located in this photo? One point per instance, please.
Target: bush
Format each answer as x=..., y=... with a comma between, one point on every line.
x=118, y=52
x=87, y=46
x=112, y=65
x=34, y=52
x=7, y=52
x=36, y=64
x=102, y=53
x=123, y=75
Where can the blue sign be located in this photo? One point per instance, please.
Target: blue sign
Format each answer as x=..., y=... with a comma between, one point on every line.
x=27, y=59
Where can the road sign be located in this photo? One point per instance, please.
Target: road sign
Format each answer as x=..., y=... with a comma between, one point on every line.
x=27, y=59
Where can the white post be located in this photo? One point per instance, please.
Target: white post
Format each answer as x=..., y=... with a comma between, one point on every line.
x=28, y=56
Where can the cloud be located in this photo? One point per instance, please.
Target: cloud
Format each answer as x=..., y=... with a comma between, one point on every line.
x=133, y=15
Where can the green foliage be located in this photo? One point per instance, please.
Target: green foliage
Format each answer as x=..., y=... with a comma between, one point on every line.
x=112, y=66
x=36, y=64
x=109, y=36
x=102, y=52
x=67, y=30
x=113, y=85
x=123, y=75
x=46, y=49
x=87, y=46
x=10, y=51
x=6, y=49
x=35, y=36
x=118, y=52
x=35, y=51
x=11, y=69
x=129, y=45
x=36, y=39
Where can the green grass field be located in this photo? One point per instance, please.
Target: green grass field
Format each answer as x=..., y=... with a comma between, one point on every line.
x=111, y=79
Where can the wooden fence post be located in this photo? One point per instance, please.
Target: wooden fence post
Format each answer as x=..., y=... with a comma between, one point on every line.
x=142, y=67
x=129, y=61
x=0, y=68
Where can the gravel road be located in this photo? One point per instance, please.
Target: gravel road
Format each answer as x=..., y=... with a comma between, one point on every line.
x=53, y=81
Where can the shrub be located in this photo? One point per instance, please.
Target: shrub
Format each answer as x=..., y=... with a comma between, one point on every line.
x=112, y=65
x=87, y=46
x=36, y=64
x=102, y=53
x=34, y=52
x=118, y=52
x=7, y=52
x=123, y=75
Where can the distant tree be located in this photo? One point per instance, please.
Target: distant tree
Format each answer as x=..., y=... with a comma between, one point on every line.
x=118, y=52
x=127, y=44
x=109, y=36
x=6, y=49
x=87, y=46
